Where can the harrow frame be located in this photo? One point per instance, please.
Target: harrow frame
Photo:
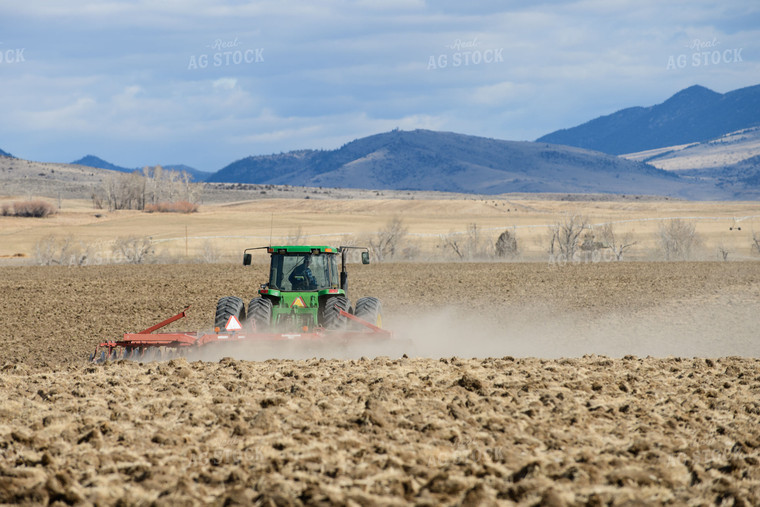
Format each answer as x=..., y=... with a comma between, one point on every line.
x=147, y=345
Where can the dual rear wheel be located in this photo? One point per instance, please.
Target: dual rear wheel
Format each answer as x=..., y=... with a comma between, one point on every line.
x=330, y=317
x=370, y=309
x=260, y=312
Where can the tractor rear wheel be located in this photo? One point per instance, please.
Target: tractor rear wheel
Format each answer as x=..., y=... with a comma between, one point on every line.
x=260, y=312
x=369, y=309
x=331, y=317
x=227, y=307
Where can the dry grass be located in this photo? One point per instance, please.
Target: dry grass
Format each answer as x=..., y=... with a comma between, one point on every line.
x=236, y=226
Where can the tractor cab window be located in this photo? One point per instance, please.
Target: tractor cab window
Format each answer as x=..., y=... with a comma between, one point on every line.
x=303, y=272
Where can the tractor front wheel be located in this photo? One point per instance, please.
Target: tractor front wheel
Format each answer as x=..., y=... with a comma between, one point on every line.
x=227, y=307
x=331, y=316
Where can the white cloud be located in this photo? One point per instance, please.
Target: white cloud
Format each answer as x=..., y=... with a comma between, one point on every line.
x=225, y=83
x=114, y=73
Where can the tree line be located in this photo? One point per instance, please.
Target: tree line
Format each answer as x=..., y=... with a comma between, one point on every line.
x=146, y=189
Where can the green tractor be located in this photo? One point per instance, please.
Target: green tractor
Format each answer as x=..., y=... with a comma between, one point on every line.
x=306, y=293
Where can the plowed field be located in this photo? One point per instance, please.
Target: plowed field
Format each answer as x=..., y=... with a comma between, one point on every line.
x=525, y=383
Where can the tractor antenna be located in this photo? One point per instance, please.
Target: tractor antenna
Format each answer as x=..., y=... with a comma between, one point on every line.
x=271, y=228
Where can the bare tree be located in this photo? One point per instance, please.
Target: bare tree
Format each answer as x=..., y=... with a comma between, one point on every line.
x=296, y=237
x=506, y=245
x=134, y=250
x=151, y=186
x=121, y=191
x=677, y=239
x=477, y=246
x=565, y=235
x=755, y=242
x=452, y=241
x=46, y=251
x=468, y=245
x=210, y=254
x=54, y=251
x=388, y=241
x=723, y=252
x=618, y=245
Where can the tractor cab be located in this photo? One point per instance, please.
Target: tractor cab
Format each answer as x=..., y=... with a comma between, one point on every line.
x=303, y=271
x=306, y=268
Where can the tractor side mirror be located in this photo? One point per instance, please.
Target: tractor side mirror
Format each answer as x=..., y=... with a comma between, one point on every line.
x=246, y=259
x=365, y=257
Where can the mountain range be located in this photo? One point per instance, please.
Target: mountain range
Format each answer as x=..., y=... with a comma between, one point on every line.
x=5, y=154
x=698, y=144
x=695, y=114
x=580, y=159
x=450, y=162
x=99, y=163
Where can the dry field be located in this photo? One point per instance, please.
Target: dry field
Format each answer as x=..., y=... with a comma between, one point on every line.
x=225, y=229
x=528, y=383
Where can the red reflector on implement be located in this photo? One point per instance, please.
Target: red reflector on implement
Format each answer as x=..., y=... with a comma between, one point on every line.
x=328, y=249
x=332, y=291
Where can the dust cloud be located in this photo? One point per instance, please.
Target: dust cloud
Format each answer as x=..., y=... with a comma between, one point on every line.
x=718, y=328
x=687, y=329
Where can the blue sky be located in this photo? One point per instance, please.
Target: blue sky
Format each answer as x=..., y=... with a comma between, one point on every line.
x=207, y=83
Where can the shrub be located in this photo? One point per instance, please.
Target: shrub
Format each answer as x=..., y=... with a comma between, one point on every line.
x=36, y=209
x=172, y=207
x=506, y=245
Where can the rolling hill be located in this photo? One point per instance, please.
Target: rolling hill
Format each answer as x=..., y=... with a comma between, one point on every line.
x=99, y=163
x=450, y=162
x=740, y=177
x=723, y=151
x=692, y=115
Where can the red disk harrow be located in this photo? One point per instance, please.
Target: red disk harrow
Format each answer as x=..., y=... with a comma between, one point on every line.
x=150, y=346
